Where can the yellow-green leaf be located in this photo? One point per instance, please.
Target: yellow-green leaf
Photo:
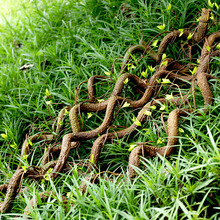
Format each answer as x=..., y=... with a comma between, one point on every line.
x=181, y=32
x=24, y=168
x=164, y=63
x=46, y=176
x=78, y=168
x=151, y=69
x=212, y=16
x=154, y=44
x=169, y=7
x=161, y=27
x=49, y=102
x=198, y=19
x=131, y=66
x=126, y=104
x=148, y=131
x=163, y=107
x=158, y=80
x=216, y=5
x=50, y=170
x=208, y=48
x=136, y=121
x=164, y=56
x=181, y=130
x=160, y=140
x=126, y=81
x=25, y=156
x=47, y=92
x=210, y=4
x=101, y=100
x=165, y=81
x=148, y=113
x=194, y=70
x=107, y=73
x=66, y=112
x=29, y=142
x=153, y=107
x=14, y=145
x=69, y=195
x=144, y=73
x=189, y=36
x=198, y=60
x=168, y=97
x=89, y=115
x=218, y=46
x=132, y=146
x=92, y=159
x=4, y=136
x=60, y=123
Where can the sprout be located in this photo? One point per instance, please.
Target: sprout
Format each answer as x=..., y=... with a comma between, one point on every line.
x=132, y=146
x=126, y=104
x=163, y=107
x=161, y=27
x=194, y=70
x=4, y=136
x=181, y=32
x=107, y=73
x=169, y=7
x=144, y=73
x=89, y=115
x=189, y=36
x=169, y=97
x=126, y=81
x=148, y=113
x=154, y=44
x=165, y=81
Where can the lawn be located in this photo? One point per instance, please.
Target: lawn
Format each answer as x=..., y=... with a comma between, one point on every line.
x=49, y=50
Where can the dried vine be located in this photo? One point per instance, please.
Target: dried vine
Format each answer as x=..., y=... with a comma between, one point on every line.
x=168, y=68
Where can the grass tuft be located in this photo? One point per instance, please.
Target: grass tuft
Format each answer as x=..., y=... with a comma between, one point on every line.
x=64, y=43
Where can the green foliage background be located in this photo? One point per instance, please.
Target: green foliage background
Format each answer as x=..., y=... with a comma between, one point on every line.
x=69, y=41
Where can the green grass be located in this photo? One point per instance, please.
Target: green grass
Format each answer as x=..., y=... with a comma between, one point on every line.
x=69, y=41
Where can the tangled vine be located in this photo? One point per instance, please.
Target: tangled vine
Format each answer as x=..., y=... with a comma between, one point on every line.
x=168, y=68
